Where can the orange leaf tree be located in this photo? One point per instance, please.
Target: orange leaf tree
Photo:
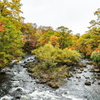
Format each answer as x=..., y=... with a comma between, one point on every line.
x=54, y=40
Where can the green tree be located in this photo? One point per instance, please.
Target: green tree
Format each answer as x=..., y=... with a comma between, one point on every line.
x=63, y=33
x=11, y=42
x=95, y=23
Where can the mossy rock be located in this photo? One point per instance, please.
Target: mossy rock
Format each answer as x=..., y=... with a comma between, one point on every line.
x=81, y=69
x=53, y=84
x=88, y=83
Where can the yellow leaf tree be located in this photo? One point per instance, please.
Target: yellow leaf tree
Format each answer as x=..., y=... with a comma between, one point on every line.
x=54, y=40
x=11, y=9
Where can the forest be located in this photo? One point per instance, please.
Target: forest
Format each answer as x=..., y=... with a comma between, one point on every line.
x=54, y=49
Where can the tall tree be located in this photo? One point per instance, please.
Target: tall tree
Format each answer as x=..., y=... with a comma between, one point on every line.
x=11, y=41
x=11, y=9
x=63, y=33
x=95, y=23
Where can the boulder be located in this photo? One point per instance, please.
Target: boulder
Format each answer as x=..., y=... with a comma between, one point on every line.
x=99, y=82
x=87, y=77
x=17, y=97
x=87, y=83
x=98, y=74
x=15, y=61
x=25, y=61
x=30, y=64
x=93, y=81
x=79, y=72
x=81, y=69
x=28, y=59
x=31, y=58
x=91, y=70
x=78, y=76
x=85, y=71
x=2, y=73
x=42, y=81
x=96, y=70
x=65, y=92
x=82, y=64
x=74, y=72
x=23, y=57
x=53, y=85
x=19, y=89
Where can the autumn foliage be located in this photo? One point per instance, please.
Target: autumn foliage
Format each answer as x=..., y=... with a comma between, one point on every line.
x=54, y=40
x=1, y=26
x=10, y=41
x=55, y=55
x=54, y=46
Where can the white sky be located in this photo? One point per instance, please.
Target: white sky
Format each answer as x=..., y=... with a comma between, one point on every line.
x=74, y=14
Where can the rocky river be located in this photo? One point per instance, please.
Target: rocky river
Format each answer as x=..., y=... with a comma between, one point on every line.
x=17, y=84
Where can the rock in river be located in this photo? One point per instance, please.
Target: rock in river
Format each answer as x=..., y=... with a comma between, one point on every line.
x=2, y=73
x=78, y=76
x=81, y=69
x=87, y=83
x=79, y=72
x=74, y=72
x=99, y=82
x=96, y=70
x=82, y=64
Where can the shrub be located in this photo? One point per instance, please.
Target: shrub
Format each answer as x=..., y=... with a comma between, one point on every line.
x=47, y=63
x=53, y=55
x=70, y=56
x=95, y=56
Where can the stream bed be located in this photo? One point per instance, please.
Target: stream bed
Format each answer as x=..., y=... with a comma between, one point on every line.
x=17, y=84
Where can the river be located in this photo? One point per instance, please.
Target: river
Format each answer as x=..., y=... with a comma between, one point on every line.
x=17, y=84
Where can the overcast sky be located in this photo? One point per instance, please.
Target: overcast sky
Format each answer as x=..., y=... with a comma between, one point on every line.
x=74, y=14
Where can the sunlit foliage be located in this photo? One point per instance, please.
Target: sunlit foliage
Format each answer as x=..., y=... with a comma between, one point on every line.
x=12, y=9
x=54, y=40
x=95, y=56
x=88, y=42
x=56, y=55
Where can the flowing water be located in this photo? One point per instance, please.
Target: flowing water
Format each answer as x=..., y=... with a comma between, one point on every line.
x=17, y=84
